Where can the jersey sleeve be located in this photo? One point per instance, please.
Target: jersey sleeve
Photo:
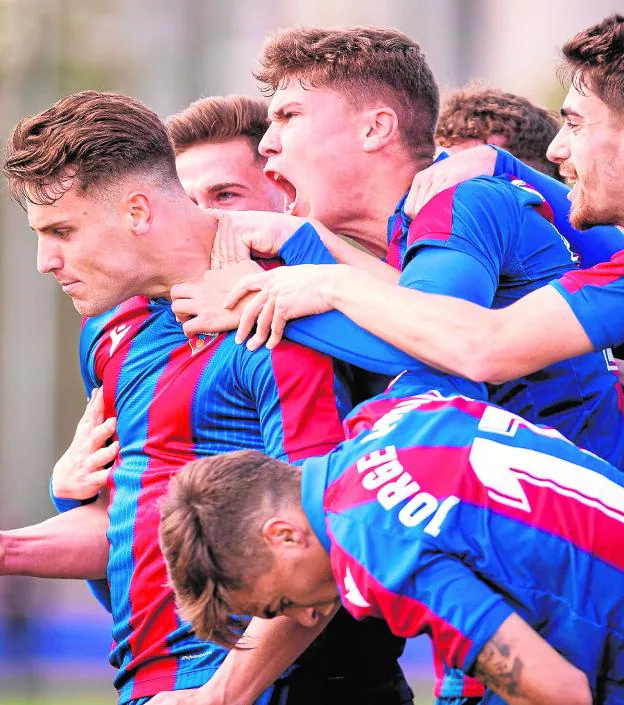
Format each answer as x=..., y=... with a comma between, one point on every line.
x=435, y=270
x=305, y=246
x=336, y=335
x=478, y=218
x=88, y=336
x=596, y=296
x=415, y=592
x=597, y=244
x=299, y=399
x=450, y=272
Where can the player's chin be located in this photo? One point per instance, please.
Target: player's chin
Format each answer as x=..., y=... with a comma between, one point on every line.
x=87, y=308
x=584, y=215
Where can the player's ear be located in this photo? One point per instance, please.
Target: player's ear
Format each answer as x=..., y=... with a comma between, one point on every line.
x=138, y=212
x=279, y=533
x=381, y=126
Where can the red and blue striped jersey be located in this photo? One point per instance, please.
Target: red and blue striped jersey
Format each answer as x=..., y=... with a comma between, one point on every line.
x=504, y=248
x=444, y=515
x=596, y=297
x=595, y=294
x=594, y=245
x=175, y=400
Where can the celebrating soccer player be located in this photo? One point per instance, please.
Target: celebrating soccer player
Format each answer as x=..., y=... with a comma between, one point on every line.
x=439, y=515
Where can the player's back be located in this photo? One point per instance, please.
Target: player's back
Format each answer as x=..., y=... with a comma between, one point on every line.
x=537, y=522
x=498, y=223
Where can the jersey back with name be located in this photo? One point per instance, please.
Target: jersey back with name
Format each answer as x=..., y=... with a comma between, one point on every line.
x=177, y=399
x=444, y=515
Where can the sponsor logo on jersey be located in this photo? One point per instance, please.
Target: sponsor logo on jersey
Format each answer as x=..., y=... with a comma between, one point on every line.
x=117, y=335
x=352, y=591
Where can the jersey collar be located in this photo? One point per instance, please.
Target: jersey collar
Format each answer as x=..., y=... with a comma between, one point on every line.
x=313, y=484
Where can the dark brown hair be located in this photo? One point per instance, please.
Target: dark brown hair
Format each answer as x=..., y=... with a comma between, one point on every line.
x=594, y=59
x=210, y=533
x=218, y=118
x=477, y=112
x=88, y=138
x=364, y=64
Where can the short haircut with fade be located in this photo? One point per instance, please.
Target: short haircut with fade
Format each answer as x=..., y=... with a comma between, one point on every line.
x=210, y=533
x=364, y=64
x=90, y=139
x=594, y=59
x=478, y=112
x=218, y=118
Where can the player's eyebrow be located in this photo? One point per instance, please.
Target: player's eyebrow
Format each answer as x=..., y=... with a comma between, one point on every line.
x=279, y=112
x=567, y=112
x=222, y=185
x=54, y=225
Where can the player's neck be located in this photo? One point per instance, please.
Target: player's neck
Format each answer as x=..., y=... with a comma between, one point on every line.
x=186, y=248
x=366, y=219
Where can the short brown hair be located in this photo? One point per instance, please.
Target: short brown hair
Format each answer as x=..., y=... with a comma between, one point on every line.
x=210, y=533
x=362, y=63
x=477, y=112
x=89, y=138
x=594, y=59
x=218, y=118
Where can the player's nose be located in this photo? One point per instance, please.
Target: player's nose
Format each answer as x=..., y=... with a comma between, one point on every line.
x=269, y=144
x=558, y=150
x=49, y=258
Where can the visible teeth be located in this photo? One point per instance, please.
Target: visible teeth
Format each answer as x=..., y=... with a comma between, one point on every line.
x=276, y=177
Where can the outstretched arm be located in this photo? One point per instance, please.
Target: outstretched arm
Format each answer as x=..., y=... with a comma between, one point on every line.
x=70, y=545
x=459, y=336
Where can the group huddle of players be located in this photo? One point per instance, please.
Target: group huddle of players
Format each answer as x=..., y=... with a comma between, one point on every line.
x=299, y=423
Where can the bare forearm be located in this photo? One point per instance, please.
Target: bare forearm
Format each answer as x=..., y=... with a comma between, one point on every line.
x=525, y=670
x=70, y=545
x=458, y=336
x=270, y=647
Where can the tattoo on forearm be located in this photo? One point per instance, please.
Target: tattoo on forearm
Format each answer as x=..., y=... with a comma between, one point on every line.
x=498, y=668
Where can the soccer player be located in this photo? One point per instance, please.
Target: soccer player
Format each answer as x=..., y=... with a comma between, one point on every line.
x=115, y=228
x=368, y=95
x=579, y=312
x=216, y=144
x=476, y=115
x=509, y=559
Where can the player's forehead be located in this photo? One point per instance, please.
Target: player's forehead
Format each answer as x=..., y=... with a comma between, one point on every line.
x=67, y=208
x=581, y=102
x=298, y=91
x=218, y=159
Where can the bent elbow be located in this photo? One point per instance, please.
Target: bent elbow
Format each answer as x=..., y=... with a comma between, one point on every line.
x=480, y=362
x=579, y=690
x=573, y=689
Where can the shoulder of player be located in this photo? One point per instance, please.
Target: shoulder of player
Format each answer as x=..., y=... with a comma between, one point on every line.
x=117, y=321
x=481, y=200
x=490, y=193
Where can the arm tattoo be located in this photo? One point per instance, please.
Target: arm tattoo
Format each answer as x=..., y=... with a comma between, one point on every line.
x=497, y=668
